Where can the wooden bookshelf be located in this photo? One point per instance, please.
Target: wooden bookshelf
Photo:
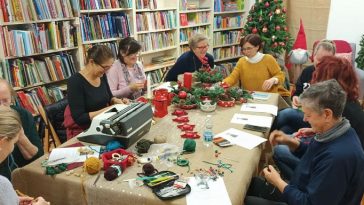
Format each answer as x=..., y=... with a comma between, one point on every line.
x=227, y=59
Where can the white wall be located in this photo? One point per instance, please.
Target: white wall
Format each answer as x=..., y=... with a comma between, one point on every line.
x=346, y=21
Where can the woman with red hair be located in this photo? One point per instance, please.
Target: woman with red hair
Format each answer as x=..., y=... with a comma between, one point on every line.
x=340, y=69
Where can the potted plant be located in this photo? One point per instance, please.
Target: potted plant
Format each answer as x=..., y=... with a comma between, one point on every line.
x=240, y=95
x=225, y=100
x=208, y=97
x=208, y=76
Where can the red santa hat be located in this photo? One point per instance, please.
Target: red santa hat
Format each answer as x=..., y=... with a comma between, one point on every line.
x=301, y=38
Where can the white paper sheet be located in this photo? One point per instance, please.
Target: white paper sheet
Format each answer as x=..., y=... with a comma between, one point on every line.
x=166, y=85
x=252, y=107
x=262, y=121
x=260, y=96
x=241, y=138
x=71, y=154
x=215, y=195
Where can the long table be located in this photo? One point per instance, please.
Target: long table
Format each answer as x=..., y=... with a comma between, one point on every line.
x=64, y=189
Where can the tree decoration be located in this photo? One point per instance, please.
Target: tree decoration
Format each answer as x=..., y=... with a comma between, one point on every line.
x=268, y=19
x=207, y=75
x=360, y=59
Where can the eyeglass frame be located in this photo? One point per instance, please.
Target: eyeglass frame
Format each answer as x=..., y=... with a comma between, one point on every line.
x=203, y=47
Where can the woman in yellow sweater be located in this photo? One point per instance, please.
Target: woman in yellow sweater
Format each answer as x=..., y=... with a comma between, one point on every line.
x=257, y=71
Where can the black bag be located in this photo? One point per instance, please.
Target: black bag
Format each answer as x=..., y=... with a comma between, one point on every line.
x=162, y=185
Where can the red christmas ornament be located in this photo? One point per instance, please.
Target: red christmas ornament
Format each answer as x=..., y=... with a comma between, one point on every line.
x=190, y=135
x=186, y=127
x=265, y=30
x=182, y=94
x=254, y=30
x=278, y=11
x=266, y=4
x=284, y=10
x=282, y=44
x=275, y=1
x=181, y=119
x=275, y=44
x=285, y=28
x=179, y=112
x=278, y=28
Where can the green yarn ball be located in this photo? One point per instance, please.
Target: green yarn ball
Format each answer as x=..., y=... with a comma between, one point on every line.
x=189, y=145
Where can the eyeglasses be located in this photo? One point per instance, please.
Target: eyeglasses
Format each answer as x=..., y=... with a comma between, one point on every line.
x=203, y=47
x=104, y=67
x=248, y=48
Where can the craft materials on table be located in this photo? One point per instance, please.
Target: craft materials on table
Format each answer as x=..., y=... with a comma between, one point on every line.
x=189, y=146
x=221, y=164
x=143, y=146
x=263, y=108
x=112, y=172
x=215, y=194
x=260, y=96
x=241, y=138
x=262, y=121
x=72, y=154
x=92, y=165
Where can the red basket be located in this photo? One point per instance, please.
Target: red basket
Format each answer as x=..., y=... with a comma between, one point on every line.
x=108, y=161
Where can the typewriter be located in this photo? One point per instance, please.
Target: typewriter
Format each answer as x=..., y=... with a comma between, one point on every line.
x=125, y=123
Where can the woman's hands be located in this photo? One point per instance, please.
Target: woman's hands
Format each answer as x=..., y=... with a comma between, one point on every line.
x=268, y=84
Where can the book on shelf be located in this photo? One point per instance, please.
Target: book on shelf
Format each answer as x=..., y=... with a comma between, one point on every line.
x=146, y=4
x=162, y=59
x=105, y=4
x=153, y=41
x=228, y=5
x=228, y=22
x=227, y=52
x=186, y=33
x=227, y=37
x=149, y=21
x=187, y=19
x=33, y=10
x=226, y=68
x=105, y=26
x=112, y=45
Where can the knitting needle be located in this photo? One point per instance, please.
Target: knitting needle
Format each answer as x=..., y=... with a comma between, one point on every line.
x=97, y=178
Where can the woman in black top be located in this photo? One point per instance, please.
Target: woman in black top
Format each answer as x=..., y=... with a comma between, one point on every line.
x=192, y=60
x=89, y=93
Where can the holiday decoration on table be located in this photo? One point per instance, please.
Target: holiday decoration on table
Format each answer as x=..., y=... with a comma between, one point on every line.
x=208, y=76
x=360, y=59
x=268, y=19
x=190, y=135
x=179, y=112
x=181, y=119
x=240, y=95
x=186, y=127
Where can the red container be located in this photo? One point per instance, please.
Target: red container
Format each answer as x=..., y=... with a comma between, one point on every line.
x=108, y=159
x=163, y=92
x=187, y=80
x=160, y=106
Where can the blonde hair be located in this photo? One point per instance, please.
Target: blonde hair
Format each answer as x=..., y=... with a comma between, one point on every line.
x=327, y=45
x=10, y=123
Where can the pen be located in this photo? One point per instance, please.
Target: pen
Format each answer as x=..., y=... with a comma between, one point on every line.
x=242, y=118
x=56, y=160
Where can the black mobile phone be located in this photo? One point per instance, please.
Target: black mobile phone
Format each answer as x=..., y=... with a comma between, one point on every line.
x=256, y=128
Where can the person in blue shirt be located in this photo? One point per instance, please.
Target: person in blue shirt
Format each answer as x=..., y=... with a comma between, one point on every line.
x=192, y=60
x=331, y=167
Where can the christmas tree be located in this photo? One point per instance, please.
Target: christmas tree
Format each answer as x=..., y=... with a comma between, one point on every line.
x=360, y=59
x=268, y=19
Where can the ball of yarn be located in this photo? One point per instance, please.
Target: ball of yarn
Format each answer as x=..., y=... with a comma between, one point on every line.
x=148, y=169
x=92, y=165
x=160, y=139
x=189, y=145
x=143, y=146
x=112, y=172
x=112, y=145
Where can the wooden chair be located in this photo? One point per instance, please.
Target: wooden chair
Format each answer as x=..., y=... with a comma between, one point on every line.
x=50, y=135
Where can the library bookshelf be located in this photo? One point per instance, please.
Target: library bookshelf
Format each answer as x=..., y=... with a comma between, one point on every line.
x=44, y=42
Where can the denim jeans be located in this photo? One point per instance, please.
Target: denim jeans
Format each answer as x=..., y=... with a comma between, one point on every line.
x=289, y=121
x=285, y=161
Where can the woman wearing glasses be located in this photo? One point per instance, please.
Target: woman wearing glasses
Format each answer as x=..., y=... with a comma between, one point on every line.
x=126, y=76
x=257, y=71
x=192, y=60
x=88, y=91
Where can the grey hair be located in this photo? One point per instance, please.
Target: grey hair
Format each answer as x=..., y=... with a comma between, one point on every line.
x=327, y=45
x=194, y=40
x=325, y=95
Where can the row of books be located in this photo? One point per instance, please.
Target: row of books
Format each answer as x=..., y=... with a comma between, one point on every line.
x=105, y=4
x=112, y=45
x=227, y=37
x=153, y=41
x=33, y=10
x=187, y=19
x=184, y=48
x=30, y=71
x=186, y=33
x=156, y=76
x=38, y=96
x=148, y=21
x=226, y=68
x=227, y=52
x=146, y=4
x=105, y=26
x=38, y=38
x=228, y=22
x=228, y=5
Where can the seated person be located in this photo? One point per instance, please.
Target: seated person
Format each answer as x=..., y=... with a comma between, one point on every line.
x=29, y=146
x=289, y=120
x=192, y=60
x=126, y=76
x=331, y=166
x=340, y=69
x=10, y=132
x=256, y=71
x=88, y=91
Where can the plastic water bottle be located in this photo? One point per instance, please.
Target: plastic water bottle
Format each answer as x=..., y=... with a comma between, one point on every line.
x=207, y=133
